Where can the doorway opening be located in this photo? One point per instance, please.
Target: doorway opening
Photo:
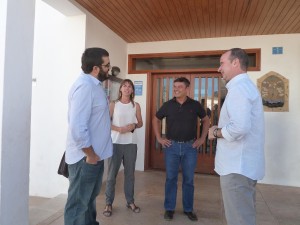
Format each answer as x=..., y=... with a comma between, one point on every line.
x=209, y=90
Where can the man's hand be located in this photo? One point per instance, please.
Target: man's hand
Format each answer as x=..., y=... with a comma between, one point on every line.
x=91, y=156
x=92, y=159
x=198, y=143
x=164, y=142
x=211, y=132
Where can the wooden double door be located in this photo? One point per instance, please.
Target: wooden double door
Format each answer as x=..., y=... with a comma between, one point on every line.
x=210, y=91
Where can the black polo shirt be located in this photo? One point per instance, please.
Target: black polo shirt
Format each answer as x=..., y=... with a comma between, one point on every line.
x=181, y=119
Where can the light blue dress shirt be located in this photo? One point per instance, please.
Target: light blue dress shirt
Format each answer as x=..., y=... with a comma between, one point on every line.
x=241, y=150
x=89, y=120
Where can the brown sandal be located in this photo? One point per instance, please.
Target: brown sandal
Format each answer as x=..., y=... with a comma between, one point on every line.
x=107, y=210
x=133, y=207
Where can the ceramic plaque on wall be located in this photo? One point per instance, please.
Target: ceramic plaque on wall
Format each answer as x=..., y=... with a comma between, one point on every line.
x=274, y=90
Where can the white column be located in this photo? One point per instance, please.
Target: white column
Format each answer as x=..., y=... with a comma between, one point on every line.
x=16, y=50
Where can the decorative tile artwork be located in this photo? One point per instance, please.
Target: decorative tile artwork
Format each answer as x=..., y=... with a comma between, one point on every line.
x=274, y=89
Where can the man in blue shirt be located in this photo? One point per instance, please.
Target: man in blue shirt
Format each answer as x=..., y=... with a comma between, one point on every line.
x=240, y=140
x=88, y=140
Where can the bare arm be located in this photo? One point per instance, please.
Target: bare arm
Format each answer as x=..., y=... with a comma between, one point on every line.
x=138, y=116
x=156, y=124
x=205, y=125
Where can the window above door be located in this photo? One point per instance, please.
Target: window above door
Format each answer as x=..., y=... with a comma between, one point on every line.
x=205, y=61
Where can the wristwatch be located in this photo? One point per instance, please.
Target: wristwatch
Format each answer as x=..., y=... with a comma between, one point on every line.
x=215, y=132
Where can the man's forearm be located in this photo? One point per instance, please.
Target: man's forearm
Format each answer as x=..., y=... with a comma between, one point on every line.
x=89, y=151
x=155, y=124
x=205, y=128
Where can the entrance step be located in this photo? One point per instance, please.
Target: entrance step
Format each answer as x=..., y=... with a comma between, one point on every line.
x=43, y=211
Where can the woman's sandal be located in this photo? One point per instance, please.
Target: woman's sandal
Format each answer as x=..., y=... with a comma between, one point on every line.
x=107, y=210
x=133, y=207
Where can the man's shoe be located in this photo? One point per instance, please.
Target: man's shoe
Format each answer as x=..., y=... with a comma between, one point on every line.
x=191, y=215
x=168, y=215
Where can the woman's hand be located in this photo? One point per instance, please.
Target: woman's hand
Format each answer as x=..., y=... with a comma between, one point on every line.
x=127, y=128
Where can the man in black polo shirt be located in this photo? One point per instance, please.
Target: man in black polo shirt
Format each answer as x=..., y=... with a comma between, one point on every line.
x=180, y=145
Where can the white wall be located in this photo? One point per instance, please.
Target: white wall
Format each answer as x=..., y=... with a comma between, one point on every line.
x=16, y=52
x=3, y=15
x=58, y=46
x=97, y=34
x=282, y=129
x=142, y=100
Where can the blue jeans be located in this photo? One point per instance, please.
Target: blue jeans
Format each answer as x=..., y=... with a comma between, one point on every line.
x=85, y=184
x=184, y=155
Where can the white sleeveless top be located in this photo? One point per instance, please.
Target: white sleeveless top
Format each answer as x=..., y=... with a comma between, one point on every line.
x=124, y=114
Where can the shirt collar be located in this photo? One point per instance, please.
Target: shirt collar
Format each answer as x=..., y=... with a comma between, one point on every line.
x=187, y=100
x=236, y=80
x=91, y=78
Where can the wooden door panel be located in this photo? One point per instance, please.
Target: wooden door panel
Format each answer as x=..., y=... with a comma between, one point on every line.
x=162, y=91
x=205, y=90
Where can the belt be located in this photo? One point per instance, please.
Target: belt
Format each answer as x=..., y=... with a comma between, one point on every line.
x=182, y=142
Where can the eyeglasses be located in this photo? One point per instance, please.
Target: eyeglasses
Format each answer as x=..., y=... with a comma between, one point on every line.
x=107, y=65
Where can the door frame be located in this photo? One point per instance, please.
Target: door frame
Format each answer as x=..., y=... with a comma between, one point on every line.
x=149, y=108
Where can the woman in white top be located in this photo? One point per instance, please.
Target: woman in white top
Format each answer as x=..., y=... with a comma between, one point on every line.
x=126, y=117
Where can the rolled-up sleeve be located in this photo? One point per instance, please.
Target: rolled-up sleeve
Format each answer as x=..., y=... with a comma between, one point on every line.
x=79, y=115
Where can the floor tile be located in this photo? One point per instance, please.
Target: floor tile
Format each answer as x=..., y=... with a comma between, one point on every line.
x=276, y=205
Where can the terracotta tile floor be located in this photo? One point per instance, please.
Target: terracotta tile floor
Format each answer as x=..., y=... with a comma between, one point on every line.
x=276, y=205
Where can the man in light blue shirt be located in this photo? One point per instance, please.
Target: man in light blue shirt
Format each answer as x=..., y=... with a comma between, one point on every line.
x=89, y=140
x=240, y=158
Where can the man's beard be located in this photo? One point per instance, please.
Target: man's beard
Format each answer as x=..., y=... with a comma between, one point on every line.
x=102, y=76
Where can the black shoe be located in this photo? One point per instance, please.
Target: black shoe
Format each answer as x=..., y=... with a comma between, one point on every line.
x=191, y=215
x=168, y=215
